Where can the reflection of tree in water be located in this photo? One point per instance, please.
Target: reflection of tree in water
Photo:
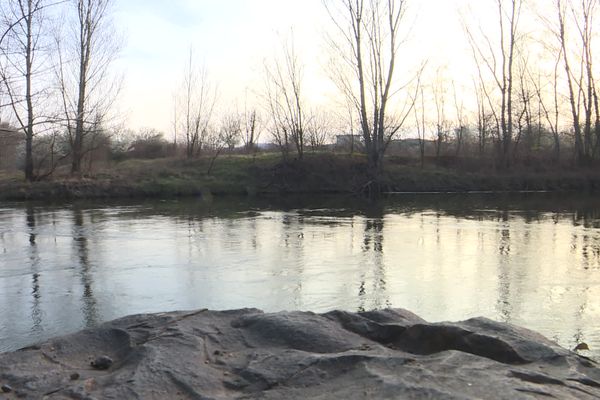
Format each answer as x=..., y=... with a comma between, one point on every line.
x=586, y=247
x=34, y=259
x=591, y=251
x=30, y=218
x=372, y=249
x=90, y=312
x=293, y=238
x=504, y=290
x=373, y=236
x=587, y=217
x=254, y=234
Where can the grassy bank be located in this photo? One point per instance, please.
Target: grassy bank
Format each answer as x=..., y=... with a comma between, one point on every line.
x=267, y=174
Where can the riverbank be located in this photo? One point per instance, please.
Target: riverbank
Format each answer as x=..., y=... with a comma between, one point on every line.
x=298, y=355
x=267, y=174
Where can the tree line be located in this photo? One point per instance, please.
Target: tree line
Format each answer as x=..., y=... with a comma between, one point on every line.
x=533, y=87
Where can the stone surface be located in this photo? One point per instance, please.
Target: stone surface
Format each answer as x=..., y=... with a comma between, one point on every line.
x=247, y=354
x=102, y=362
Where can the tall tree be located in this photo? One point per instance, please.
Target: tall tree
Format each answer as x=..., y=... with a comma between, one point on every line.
x=578, y=17
x=439, y=100
x=194, y=107
x=551, y=114
x=419, y=110
x=461, y=121
x=483, y=117
x=88, y=91
x=23, y=54
x=499, y=60
x=251, y=131
x=368, y=44
x=286, y=103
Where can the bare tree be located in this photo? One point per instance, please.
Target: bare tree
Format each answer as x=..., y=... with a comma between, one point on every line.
x=523, y=108
x=461, y=122
x=318, y=129
x=499, y=62
x=86, y=49
x=579, y=74
x=215, y=142
x=251, y=133
x=419, y=112
x=45, y=154
x=283, y=88
x=368, y=47
x=482, y=119
x=488, y=120
x=195, y=107
x=175, y=123
x=439, y=99
x=24, y=48
x=553, y=118
x=231, y=130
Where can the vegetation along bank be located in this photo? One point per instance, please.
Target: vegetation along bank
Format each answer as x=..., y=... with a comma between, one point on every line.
x=324, y=173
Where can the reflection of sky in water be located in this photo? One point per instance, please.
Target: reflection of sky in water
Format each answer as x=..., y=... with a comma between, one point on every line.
x=62, y=269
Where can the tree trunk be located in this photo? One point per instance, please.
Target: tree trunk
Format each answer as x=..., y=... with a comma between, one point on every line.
x=85, y=44
x=29, y=174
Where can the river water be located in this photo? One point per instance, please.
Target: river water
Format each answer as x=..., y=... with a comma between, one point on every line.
x=527, y=259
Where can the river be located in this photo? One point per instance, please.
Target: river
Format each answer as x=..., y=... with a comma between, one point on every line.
x=527, y=259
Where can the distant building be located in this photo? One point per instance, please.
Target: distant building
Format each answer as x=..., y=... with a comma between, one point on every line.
x=11, y=142
x=410, y=146
x=349, y=143
x=264, y=146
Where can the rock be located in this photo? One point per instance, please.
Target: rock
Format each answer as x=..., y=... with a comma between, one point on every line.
x=102, y=362
x=297, y=355
x=581, y=346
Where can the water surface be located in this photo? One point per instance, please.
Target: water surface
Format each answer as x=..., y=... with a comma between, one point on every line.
x=532, y=260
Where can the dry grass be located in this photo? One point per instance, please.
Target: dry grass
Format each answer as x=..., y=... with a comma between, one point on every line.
x=267, y=173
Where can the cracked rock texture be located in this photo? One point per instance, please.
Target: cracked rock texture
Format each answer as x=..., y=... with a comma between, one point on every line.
x=247, y=354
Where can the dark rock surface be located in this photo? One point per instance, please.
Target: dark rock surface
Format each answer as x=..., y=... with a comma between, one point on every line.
x=247, y=354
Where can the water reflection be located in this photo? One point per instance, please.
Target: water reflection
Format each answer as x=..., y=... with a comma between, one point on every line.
x=529, y=260
x=504, y=266
x=34, y=260
x=80, y=243
x=372, y=291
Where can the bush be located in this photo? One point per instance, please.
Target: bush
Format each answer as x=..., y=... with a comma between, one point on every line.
x=146, y=144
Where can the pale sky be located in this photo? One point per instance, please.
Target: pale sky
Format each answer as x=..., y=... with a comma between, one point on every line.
x=232, y=38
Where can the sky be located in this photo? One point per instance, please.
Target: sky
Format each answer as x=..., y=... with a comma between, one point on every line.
x=233, y=38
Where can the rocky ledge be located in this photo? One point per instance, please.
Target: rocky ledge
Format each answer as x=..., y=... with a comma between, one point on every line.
x=248, y=354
